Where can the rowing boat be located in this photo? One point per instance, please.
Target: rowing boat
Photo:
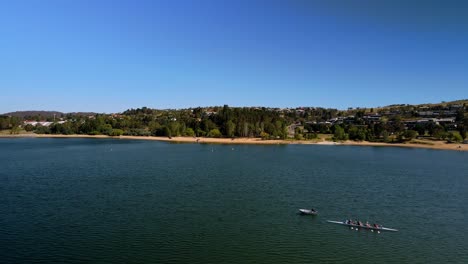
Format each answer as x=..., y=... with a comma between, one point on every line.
x=308, y=212
x=365, y=227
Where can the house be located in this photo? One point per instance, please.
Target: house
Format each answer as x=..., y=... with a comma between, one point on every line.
x=292, y=129
x=41, y=123
x=372, y=118
x=443, y=121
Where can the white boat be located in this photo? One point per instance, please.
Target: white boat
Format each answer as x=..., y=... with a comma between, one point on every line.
x=363, y=226
x=308, y=211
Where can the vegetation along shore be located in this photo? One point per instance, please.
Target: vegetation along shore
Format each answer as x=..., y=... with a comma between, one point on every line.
x=437, y=126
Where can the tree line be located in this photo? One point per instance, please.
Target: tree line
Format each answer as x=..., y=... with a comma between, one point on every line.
x=231, y=122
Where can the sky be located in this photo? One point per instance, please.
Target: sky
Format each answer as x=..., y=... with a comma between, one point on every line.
x=109, y=56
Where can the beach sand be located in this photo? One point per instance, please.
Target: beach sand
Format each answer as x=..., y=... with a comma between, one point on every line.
x=441, y=145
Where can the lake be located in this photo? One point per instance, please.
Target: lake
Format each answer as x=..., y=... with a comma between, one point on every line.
x=126, y=201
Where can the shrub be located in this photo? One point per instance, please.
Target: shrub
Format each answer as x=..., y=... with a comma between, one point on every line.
x=215, y=133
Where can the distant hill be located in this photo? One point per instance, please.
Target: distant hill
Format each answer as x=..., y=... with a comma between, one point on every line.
x=395, y=106
x=45, y=114
x=460, y=102
x=50, y=114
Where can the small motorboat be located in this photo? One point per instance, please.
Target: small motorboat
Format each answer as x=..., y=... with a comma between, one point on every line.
x=308, y=211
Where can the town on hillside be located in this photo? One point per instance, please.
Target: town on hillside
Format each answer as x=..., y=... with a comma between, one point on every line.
x=394, y=123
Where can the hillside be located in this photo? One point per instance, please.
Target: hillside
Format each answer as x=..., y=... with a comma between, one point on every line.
x=45, y=114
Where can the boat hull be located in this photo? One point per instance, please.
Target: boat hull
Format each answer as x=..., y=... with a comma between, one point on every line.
x=308, y=212
x=364, y=227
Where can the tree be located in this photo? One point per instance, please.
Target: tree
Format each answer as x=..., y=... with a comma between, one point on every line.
x=167, y=131
x=15, y=130
x=339, y=134
x=385, y=136
x=407, y=135
x=29, y=127
x=298, y=136
x=439, y=132
x=15, y=121
x=41, y=130
x=454, y=136
x=105, y=129
x=421, y=129
x=230, y=129
x=311, y=136
x=174, y=127
x=396, y=125
x=116, y=132
x=4, y=122
x=208, y=125
x=264, y=135
x=189, y=132
x=154, y=126
x=215, y=133
x=298, y=133
x=200, y=132
x=357, y=133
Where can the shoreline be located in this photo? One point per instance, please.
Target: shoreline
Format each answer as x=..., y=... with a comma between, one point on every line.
x=440, y=145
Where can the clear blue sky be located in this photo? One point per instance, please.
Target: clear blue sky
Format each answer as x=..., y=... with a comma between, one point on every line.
x=108, y=56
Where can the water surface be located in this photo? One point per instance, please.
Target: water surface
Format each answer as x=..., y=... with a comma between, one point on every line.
x=123, y=201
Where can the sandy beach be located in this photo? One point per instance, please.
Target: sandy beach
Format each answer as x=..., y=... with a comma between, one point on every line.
x=441, y=145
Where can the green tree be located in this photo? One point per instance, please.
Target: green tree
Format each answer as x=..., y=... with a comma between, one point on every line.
x=116, y=132
x=298, y=136
x=41, y=130
x=407, y=135
x=4, y=122
x=439, y=132
x=189, y=132
x=200, y=132
x=67, y=128
x=454, y=136
x=385, y=136
x=421, y=129
x=357, y=133
x=29, y=127
x=15, y=130
x=214, y=133
x=230, y=129
x=311, y=136
x=298, y=133
x=153, y=126
x=167, y=131
x=264, y=135
x=208, y=125
x=105, y=129
x=174, y=127
x=339, y=134
x=464, y=134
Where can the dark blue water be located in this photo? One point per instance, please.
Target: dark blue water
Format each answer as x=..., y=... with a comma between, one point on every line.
x=122, y=201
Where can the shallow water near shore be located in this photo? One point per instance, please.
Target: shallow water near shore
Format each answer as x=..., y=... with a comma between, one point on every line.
x=125, y=201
